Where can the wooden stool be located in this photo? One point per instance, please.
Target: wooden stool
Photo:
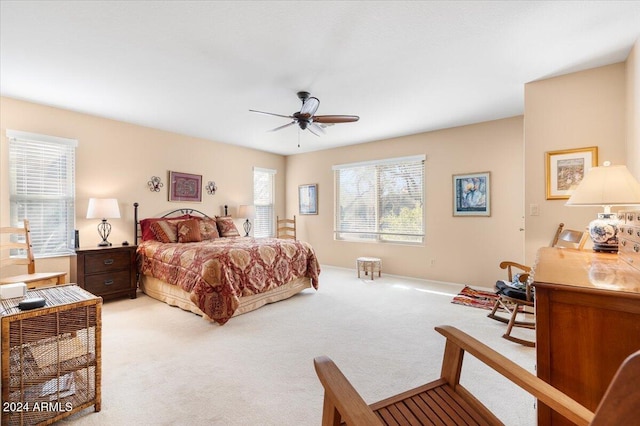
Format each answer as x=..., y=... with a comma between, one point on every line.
x=369, y=264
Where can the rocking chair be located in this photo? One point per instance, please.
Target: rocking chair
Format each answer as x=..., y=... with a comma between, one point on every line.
x=516, y=296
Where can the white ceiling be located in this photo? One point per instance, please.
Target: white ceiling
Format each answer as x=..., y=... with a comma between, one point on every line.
x=405, y=67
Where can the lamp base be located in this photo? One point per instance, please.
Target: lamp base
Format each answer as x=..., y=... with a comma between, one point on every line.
x=105, y=244
x=604, y=233
x=247, y=227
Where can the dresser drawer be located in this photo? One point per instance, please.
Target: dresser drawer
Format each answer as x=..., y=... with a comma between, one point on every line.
x=629, y=232
x=109, y=261
x=632, y=217
x=629, y=251
x=108, y=282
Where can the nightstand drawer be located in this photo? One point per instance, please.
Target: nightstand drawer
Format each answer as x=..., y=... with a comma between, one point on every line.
x=108, y=282
x=109, y=261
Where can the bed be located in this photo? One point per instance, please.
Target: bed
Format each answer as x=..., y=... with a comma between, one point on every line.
x=201, y=264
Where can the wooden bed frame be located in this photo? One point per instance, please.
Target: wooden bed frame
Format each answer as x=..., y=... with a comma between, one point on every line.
x=176, y=296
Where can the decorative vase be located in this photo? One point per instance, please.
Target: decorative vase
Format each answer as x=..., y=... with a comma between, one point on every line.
x=604, y=232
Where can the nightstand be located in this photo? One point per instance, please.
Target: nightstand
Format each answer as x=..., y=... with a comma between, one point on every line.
x=108, y=272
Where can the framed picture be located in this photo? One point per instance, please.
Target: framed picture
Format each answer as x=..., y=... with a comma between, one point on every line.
x=472, y=194
x=308, y=199
x=185, y=187
x=565, y=170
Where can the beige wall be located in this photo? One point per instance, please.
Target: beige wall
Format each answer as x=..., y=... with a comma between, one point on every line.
x=571, y=111
x=116, y=159
x=457, y=249
x=595, y=107
x=633, y=111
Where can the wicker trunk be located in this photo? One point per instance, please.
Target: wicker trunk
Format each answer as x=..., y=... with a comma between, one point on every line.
x=50, y=356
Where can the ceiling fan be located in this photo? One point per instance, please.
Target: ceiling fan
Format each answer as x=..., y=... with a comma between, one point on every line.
x=306, y=119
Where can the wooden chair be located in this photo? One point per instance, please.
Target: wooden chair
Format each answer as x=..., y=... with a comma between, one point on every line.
x=12, y=238
x=286, y=228
x=516, y=297
x=446, y=401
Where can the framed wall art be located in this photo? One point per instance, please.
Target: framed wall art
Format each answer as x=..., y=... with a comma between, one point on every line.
x=308, y=199
x=185, y=187
x=472, y=194
x=566, y=168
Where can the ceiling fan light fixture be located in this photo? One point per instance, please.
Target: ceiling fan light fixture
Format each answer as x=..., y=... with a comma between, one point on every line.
x=306, y=118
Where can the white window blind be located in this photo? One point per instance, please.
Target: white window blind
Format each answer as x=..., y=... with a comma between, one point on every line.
x=263, y=201
x=42, y=189
x=380, y=200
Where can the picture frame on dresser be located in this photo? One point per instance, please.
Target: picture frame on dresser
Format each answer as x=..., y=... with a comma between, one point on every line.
x=566, y=168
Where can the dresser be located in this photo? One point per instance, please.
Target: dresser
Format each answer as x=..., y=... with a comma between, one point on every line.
x=109, y=272
x=587, y=322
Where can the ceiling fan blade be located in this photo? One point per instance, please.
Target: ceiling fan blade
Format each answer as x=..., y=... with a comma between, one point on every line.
x=310, y=106
x=282, y=127
x=270, y=113
x=318, y=128
x=310, y=128
x=335, y=118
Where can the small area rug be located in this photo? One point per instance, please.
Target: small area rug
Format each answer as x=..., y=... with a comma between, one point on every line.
x=475, y=298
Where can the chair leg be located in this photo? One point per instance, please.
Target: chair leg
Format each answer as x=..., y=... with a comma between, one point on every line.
x=525, y=324
x=497, y=306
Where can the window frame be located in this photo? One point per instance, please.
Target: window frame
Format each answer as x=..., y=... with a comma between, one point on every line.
x=375, y=204
x=270, y=206
x=50, y=198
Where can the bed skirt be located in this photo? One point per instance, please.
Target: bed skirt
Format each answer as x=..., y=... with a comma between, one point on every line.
x=176, y=296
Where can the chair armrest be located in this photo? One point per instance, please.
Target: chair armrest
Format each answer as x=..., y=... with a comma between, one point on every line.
x=508, y=265
x=552, y=397
x=340, y=395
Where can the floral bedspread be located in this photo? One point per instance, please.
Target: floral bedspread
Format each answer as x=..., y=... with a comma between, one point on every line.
x=218, y=272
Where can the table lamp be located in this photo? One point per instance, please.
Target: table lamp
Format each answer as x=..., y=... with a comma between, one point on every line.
x=247, y=212
x=606, y=186
x=103, y=208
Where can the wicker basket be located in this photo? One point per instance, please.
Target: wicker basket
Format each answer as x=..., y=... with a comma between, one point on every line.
x=50, y=356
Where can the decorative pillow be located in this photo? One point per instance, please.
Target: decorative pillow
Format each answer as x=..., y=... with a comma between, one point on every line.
x=145, y=225
x=165, y=231
x=208, y=229
x=226, y=227
x=189, y=231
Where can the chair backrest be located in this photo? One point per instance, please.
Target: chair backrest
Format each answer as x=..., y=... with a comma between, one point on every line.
x=14, y=238
x=286, y=228
x=620, y=404
x=569, y=238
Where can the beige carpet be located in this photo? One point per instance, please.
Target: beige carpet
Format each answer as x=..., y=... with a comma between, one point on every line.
x=164, y=366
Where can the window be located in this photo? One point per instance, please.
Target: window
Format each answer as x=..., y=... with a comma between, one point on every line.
x=263, y=190
x=380, y=200
x=42, y=189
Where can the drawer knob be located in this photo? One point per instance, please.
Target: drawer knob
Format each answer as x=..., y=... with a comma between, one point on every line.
x=108, y=282
x=108, y=261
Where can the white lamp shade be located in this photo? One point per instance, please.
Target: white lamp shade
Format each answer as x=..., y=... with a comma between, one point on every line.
x=606, y=186
x=246, y=211
x=103, y=208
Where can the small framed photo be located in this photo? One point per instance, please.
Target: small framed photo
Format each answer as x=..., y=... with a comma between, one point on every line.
x=185, y=187
x=308, y=199
x=472, y=194
x=565, y=170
